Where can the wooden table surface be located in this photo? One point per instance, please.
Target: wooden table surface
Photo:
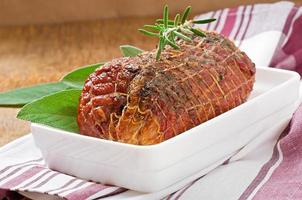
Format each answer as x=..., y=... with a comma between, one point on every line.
x=43, y=53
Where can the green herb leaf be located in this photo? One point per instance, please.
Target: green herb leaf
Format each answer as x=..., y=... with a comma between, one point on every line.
x=182, y=36
x=167, y=30
x=148, y=33
x=22, y=96
x=58, y=110
x=172, y=43
x=186, y=31
x=172, y=37
x=176, y=19
x=161, y=21
x=77, y=78
x=160, y=48
x=186, y=14
x=203, y=21
x=198, y=32
x=153, y=27
x=130, y=51
x=166, y=16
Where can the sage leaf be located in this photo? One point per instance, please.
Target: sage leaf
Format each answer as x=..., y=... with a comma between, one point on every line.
x=58, y=110
x=77, y=78
x=22, y=96
x=130, y=51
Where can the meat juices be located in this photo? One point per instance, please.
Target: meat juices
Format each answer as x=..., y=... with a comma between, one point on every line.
x=142, y=101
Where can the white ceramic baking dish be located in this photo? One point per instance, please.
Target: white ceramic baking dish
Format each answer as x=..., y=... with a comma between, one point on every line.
x=155, y=167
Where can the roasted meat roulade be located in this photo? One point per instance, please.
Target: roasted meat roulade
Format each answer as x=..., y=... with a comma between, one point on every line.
x=141, y=100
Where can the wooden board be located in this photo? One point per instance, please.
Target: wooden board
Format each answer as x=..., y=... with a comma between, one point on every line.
x=54, y=11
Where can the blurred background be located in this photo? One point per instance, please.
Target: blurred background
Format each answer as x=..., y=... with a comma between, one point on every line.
x=42, y=40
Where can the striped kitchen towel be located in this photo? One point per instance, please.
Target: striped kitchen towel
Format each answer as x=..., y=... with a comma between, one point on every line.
x=269, y=167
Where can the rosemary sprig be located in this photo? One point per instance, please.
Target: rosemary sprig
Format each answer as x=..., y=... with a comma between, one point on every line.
x=169, y=31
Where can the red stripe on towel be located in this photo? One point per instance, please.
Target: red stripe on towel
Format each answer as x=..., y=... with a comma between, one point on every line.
x=86, y=192
x=22, y=177
x=247, y=26
x=229, y=22
x=240, y=22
